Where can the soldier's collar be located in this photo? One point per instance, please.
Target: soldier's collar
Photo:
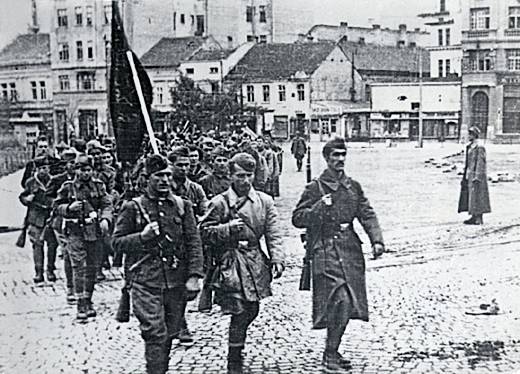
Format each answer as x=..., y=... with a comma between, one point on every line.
x=330, y=180
x=153, y=196
x=233, y=197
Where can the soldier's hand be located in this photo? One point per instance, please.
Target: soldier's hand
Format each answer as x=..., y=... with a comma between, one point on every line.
x=277, y=270
x=29, y=198
x=104, y=226
x=236, y=224
x=377, y=250
x=327, y=199
x=150, y=231
x=76, y=207
x=192, y=288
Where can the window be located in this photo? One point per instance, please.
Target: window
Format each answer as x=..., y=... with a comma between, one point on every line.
x=213, y=70
x=400, y=43
x=63, y=51
x=262, y=15
x=64, y=82
x=513, y=59
x=190, y=71
x=230, y=39
x=160, y=95
x=448, y=37
x=107, y=50
x=90, y=50
x=266, y=93
x=281, y=93
x=86, y=81
x=249, y=13
x=215, y=87
x=441, y=68
x=34, y=90
x=107, y=12
x=263, y=39
x=43, y=90
x=250, y=38
x=250, y=92
x=479, y=60
x=479, y=19
x=514, y=17
x=5, y=93
x=79, y=50
x=88, y=15
x=62, y=18
x=174, y=21
x=200, y=26
x=447, y=65
x=440, y=33
x=14, y=94
x=443, y=6
x=301, y=91
x=183, y=19
x=79, y=15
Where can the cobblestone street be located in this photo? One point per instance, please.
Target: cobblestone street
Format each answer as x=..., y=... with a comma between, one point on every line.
x=420, y=292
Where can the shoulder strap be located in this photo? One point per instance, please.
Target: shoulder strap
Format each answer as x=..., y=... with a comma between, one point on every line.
x=144, y=213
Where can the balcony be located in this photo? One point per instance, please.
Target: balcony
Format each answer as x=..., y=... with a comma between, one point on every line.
x=514, y=33
x=479, y=34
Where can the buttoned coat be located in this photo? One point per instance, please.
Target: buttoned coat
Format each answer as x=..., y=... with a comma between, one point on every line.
x=337, y=254
x=475, y=176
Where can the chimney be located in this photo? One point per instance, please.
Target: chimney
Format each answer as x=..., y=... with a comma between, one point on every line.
x=376, y=27
x=402, y=27
x=34, y=27
x=343, y=24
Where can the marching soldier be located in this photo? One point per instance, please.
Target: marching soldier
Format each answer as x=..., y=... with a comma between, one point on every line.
x=236, y=222
x=163, y=263
x=217, y=181
x=327, y=210
x=39, y=205
x=197, y=170
x=87, y=211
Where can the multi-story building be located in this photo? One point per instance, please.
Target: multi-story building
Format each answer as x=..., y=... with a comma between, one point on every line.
x=80, y=54
x=491, y=68
x=401, y=37
x=444, y=26
x=26, y=87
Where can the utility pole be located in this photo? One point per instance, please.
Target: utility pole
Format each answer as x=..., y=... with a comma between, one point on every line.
x=420, y=142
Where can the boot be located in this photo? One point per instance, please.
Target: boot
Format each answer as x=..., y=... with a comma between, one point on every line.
x=71, y=297
x=336, y=358
x=332, y=364
x=51, y=277
x=38, y=278
x=185, y=337
x=91, y=312
x=235, y=360
x=82, y=310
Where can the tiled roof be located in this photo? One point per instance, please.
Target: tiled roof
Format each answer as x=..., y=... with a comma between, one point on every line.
x=27, y=49
x=211, y=55
x=281, y=61
x=371, y=57
x=170, y=52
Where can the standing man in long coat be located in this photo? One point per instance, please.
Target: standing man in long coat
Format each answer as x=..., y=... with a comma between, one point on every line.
x=235, y=224
x=327, y=210
x=474, y=197
x=298, y=150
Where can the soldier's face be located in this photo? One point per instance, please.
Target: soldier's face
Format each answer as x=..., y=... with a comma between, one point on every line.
x=221, y=164
x=96, y=155
x=85, y=172
x=43, y=171
x=336, y=159
x=242, y=180
x=194, y=158
x=107, y=159
x=42, y=148
x=159, y=182
x=180, y=167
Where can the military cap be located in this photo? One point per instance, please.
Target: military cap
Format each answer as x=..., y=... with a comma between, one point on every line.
x=68, y=154
x=474, y=130
x=94, y=144
x=155, y=163
x=336, y=143
x=179, y=151
x=220, y=151
x=84, y=160
x=41, y=161
x=245, y=161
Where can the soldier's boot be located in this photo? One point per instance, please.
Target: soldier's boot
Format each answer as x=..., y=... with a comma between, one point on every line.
x=91, y=312
x=71, y=297
x=51, y=277
x=38, y=277
x=38, y=262
x=82, y=309
x=235, y=360
x=335, y=360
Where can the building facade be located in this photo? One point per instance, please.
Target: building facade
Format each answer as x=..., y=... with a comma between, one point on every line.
x=445, y=28
x=80, y=58
x=491, y=68
x=26, y=88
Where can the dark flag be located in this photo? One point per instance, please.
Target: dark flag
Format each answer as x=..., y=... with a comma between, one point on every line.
x=125, y=110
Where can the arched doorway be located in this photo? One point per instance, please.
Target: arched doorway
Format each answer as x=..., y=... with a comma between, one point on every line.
x=480, y=112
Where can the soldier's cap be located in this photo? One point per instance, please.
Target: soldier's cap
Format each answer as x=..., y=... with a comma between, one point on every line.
x=474, y=130
x=154, y=164
x=41, y=161
x=220, y=151
x=62, y=145
x=84, y=160
x=179, y=151
x=94, y=144
x=69, y=154
x=244, y=160
x=336, y=143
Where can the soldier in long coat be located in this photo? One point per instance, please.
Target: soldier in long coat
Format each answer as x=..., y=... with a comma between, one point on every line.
x=235, y=223
x=327, y=209
x=474, y=197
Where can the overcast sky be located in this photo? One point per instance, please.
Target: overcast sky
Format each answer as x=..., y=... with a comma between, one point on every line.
x=15, y=15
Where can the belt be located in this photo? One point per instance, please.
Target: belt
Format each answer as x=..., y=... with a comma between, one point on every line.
x=78, y=221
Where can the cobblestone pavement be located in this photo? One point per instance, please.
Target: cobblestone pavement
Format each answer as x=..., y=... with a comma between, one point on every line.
x=419, y=293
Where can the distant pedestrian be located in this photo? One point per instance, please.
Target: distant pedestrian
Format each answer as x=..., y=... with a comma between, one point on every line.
x=158, y=233
x=474, y=195
x=327, y=210
x=236, y=222
x=298, y=150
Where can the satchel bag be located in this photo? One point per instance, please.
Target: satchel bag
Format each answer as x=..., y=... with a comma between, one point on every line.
x=226, y=277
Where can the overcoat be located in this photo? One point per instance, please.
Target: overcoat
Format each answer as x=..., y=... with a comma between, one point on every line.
x=475, y=179
x=258, y=211
x=337, y=261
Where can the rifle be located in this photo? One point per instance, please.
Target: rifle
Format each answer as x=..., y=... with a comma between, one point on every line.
x=123, y=310
x=305, y=278
x=20, y=242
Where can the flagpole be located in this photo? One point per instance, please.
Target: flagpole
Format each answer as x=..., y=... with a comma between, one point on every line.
x=144, y=110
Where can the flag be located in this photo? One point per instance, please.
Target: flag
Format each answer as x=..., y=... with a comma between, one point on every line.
x=125, y=110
